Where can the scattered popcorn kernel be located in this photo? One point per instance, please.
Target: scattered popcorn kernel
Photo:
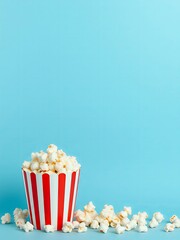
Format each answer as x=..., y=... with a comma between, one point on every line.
x=67, y=227
x=79, y=216
x=153, y=223
x=177, y=223
x=124, y=221
x=173, y=218
x=75, y=224
x=141, y=221
x=103, y=228
x=143, y=215
x=119, y=229
x=28, y=227
x=122, y=214
x=142, y=228
x=49, y=228
x=169, y=227
x=158, y=216
x=89, y=207
x=6, y=218
x=131, y=225
x=128, y=210
x=20, y=222
x=82, y=227
x=25, y=213
x=115, y=221
x=88, y=218
x=94, y=224
x=135, y=217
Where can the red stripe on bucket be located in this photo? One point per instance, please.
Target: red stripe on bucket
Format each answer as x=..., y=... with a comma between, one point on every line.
x=73, y=179
x=61, y=192
x=35, y=200
x=47, y=201
x=28, y=198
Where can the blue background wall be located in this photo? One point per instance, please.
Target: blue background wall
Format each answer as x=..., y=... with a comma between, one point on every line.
x=101, y=79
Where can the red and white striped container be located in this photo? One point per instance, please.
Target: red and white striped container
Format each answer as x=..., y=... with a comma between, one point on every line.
x=51, y=197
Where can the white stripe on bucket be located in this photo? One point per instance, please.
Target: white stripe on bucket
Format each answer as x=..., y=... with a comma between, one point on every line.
x=40, y=200
x=67, y=195
x=54, y=198
x=31, y=198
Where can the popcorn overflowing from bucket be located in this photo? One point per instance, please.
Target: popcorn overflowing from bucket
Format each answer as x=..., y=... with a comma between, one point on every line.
x=51, y=161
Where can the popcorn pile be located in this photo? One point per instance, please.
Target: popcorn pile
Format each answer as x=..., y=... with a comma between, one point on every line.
x=88, y=217
x=51, y=161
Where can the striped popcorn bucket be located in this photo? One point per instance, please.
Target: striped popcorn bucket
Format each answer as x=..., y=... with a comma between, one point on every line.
x=51, y=197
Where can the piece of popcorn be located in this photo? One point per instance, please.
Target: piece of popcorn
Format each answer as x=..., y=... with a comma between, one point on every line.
x=119, y=229
x=6, y=218
x=28, y=227
x=52, y=157
x=34, y=165
x=124, y=221
x=89, y=207
x=49, y=228
x=122, y=214
x=107, y=212
x=103, y=228
x=135, y=217
x=75, y=224
x=94, y=224
x=141, y=221
x=20, y=214
x=52, y=148
x=43, y=157
x=177, y=223
x=158, y=216
x=169, y=227
x=25, y=213
x=16, y=211
x=79, y=216
x=82, y=227
x=128, y=210
x=44, y=167
x=131, y=225
x=115, y=221
x=173, y=218
x=51, y=167
x=26, y=164
x=58, y=166
x=88, y=219
x=67, y=227
x=35, y=156
x=20, y=223
x=153, y=223
x=142, y=228
x=143, y=215
x=100, y=219
x=60, y=153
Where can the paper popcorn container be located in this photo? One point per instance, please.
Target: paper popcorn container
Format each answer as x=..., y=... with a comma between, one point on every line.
x=51, y=197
